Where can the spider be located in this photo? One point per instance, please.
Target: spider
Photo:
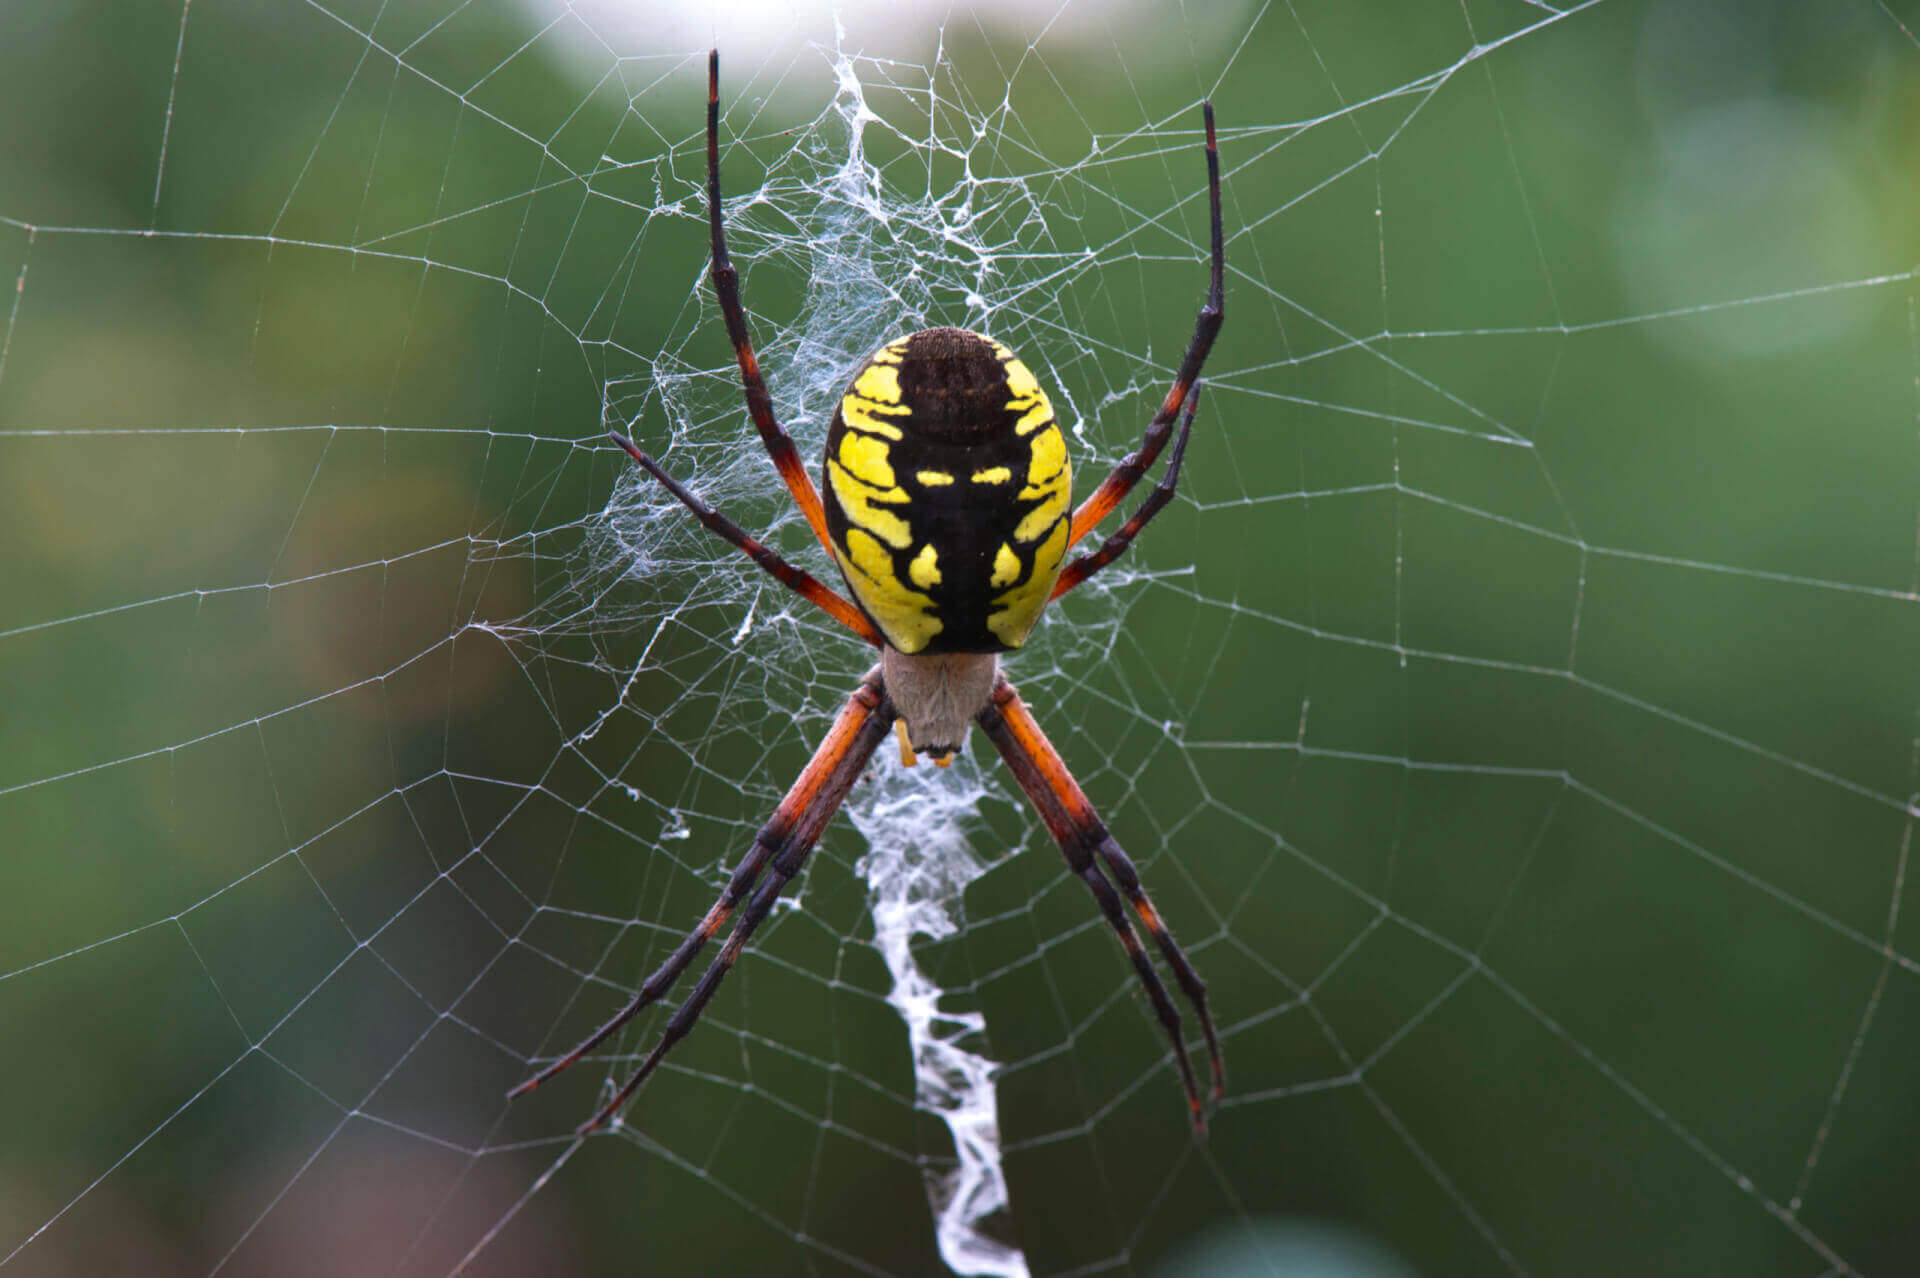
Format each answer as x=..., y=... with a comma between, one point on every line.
x=946, y=494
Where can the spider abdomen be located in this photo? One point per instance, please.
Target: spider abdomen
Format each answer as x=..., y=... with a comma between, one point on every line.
x=947, y=491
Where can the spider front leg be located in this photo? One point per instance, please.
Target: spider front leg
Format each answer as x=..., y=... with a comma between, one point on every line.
x=783, y=843
x=1087, y=846
x=1206, y=326
x=798, y=580
x=1115, y=546
x=726, y=287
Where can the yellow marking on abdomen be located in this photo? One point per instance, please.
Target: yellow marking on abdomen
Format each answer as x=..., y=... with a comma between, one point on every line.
x=860, y=413
x=1046, y=461
x=1016, y=609
x=1041, y=414
x=867, y=459
x=1049, y=482
x=992, y=475
x=857, y=503
x=1021, y=383
x=933, y=478
x=1041, y=518
x=906, y=616
x=879, y=382
x=1006, y=566
x=1027, y=398
x=925, y=568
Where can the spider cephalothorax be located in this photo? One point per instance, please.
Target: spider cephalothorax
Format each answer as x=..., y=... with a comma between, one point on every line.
x=948, y=513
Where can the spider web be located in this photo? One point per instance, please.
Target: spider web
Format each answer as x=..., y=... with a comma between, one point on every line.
x=1516, y=716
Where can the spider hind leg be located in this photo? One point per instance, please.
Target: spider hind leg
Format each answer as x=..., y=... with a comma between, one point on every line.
x=1089, y=849
x=779, y=851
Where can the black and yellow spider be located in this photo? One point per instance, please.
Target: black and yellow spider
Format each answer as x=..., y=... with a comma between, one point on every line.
x=946, y=509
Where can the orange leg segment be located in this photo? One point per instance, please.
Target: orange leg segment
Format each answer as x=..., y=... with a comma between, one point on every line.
x=1087, y=846
x=1115, y=546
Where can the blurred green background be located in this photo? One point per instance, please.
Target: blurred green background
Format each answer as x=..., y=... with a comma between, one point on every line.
x=1518, y=717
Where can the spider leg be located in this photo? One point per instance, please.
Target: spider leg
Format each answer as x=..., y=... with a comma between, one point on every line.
x=1083, y=837
x=726, y=286
x=798, y=580
x=784, y=842
x=1115, y=546
x=1115, y=487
